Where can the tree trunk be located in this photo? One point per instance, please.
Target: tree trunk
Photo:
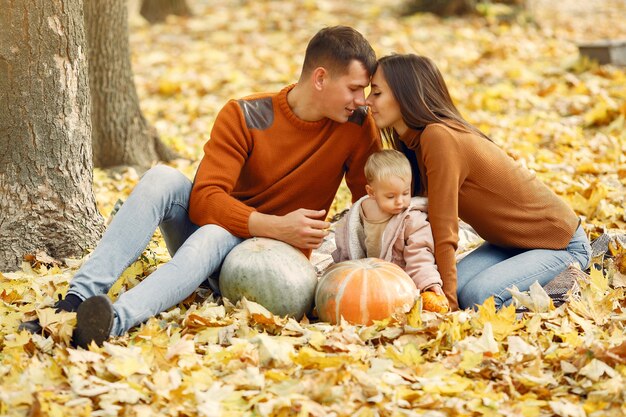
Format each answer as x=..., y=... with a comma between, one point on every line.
x=121, y=135
x=155, y=11
x=441, y=7
x=46, y=197
x=453, y=7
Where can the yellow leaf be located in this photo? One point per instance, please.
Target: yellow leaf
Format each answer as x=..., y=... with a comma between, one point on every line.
x=503, y=321
x=125, y=361
x=410, y=356
x=470, y=360
x=414, y=317
x=599, y=282
x=449, y=384
x=274, y=350
x=309, y=358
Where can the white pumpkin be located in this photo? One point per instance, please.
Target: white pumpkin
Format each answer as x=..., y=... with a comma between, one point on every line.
x=271, y=273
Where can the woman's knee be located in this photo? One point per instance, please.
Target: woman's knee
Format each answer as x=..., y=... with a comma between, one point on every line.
x=473, y=295
x=580, y=248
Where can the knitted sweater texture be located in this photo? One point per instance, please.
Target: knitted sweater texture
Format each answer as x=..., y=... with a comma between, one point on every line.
x=262, y=157
x=468, y=177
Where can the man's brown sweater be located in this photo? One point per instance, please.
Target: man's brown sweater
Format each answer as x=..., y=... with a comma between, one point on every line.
x=467, y=176
x=261, y=156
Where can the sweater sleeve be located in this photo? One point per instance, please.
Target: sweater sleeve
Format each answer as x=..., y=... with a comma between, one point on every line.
x=224, y=156
x=366, y=145
x=446, y=170
x=419, y=251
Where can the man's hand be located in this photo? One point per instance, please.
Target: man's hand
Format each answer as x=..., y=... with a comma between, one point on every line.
x=301, y=228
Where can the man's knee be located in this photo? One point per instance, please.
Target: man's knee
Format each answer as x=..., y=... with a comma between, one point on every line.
x=212, y=237
x=166, y=177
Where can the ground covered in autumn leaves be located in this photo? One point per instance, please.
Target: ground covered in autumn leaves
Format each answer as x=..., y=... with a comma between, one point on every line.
x=519, y=78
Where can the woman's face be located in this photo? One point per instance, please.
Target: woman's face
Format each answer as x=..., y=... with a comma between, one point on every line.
x=385, y=108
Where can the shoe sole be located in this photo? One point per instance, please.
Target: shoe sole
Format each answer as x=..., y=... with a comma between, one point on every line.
x=32, y=326
x=94, y=320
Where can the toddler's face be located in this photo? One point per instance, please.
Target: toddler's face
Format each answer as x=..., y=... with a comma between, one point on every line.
x=392, y=194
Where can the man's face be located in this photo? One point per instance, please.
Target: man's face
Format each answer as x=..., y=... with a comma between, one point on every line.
x=343, y=93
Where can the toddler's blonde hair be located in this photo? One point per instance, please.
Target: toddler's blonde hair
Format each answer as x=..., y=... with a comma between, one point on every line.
x=384, y=164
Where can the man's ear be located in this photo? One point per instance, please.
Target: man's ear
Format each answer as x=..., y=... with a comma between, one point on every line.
x=319, y=76
x=369, y=190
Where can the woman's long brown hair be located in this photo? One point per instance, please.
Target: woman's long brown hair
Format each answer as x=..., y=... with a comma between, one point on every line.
x=423, y=97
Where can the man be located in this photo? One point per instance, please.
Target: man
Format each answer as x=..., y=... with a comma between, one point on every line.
x=271, y=168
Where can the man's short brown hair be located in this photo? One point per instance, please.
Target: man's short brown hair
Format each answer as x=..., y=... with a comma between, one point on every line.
x=334, y=48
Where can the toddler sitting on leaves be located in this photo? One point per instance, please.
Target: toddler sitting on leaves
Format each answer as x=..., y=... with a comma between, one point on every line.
x=388, y=224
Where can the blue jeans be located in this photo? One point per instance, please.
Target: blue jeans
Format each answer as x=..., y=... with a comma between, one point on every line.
x=161, y=198
x=490, y=270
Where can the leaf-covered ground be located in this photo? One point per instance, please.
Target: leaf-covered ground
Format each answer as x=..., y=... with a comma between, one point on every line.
x=519, y=78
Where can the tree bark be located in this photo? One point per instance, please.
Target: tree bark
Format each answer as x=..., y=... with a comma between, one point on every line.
x=46, y=197
x=441, y=7
x=155, y=11
x=121, y=134
x=452, y=7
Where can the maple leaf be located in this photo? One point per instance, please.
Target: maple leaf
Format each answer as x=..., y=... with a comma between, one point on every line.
x=10, y=297
x=558, y=114
x=60, y=325
x=502, y=322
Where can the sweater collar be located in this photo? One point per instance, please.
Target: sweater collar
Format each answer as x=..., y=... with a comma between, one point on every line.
x=411, y=138
x=291, y=116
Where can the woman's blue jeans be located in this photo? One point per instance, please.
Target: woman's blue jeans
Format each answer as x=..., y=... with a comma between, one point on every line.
x=490, y=270
x=161, y=198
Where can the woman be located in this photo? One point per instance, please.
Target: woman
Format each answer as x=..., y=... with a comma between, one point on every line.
x=530, y=233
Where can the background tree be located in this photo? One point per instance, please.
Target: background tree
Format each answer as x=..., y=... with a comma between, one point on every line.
x=454, y=7
x=121, y=135
x=155, y=11
x=46, y=197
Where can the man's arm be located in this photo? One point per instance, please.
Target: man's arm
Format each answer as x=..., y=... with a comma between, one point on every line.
x=301, y=228
x=225, y=154
x=211, y=201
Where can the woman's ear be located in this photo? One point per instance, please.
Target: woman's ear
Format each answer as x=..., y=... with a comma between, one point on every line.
x=319, y=75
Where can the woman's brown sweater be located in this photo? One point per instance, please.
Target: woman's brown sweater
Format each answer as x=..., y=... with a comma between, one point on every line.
x=469, y=177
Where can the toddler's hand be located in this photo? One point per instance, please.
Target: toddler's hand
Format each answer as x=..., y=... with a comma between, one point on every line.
x=436, y=289
x=432, y=301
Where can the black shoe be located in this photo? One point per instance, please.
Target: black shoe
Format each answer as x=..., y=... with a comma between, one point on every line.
x=32, y=326
x=94, y=320
x=69, y=304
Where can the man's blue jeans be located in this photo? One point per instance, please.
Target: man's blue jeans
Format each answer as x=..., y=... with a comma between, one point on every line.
x=491, y=269
x=161, y=198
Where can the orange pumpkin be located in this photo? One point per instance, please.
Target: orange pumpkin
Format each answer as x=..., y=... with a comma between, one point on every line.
x=363, y=290
x=432, y=301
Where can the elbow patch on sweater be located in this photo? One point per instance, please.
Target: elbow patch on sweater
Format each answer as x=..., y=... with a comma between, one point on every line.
x=258, y=113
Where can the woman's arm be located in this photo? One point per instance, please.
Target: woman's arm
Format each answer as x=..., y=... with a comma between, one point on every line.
x=446, y=169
